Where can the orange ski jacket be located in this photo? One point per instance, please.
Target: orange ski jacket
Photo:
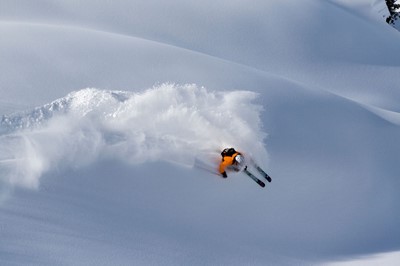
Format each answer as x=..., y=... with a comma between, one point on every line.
x=226, y=161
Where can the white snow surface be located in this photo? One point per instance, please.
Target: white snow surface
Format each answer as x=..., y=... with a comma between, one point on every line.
x=113, y=114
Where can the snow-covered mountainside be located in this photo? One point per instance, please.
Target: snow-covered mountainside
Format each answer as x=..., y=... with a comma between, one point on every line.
x=124, y=171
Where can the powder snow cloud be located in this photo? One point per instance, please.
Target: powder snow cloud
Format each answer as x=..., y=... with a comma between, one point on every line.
x=175, y=123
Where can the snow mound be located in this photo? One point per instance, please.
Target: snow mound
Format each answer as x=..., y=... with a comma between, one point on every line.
x=175, y=123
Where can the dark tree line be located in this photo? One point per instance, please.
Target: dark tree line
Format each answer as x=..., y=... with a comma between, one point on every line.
x=393, y=10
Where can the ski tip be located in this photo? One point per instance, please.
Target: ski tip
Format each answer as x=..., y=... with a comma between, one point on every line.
x=262, y=184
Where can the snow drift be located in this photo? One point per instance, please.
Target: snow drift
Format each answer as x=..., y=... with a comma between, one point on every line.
x=168, y=122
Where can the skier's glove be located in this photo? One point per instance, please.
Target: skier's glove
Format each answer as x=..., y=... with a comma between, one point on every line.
x=224, y=175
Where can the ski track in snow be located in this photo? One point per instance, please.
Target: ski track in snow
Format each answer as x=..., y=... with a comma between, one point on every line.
x=172, y=123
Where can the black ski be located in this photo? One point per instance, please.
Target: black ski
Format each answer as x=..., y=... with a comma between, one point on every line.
x=258, y=181
x=269, y=179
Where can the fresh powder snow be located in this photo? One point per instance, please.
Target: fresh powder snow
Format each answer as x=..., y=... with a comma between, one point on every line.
x=113, y=114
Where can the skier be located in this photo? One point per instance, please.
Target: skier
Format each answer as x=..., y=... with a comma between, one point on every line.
x=231, y=160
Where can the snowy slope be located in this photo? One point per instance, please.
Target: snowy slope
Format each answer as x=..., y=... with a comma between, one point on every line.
x=123, y=173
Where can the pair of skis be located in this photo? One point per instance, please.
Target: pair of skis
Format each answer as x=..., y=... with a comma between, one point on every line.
x=257, y=180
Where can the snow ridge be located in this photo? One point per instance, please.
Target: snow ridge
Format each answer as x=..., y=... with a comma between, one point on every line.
x=175, y=123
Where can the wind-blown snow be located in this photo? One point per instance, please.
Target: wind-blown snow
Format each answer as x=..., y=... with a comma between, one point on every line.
x=166, y=123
